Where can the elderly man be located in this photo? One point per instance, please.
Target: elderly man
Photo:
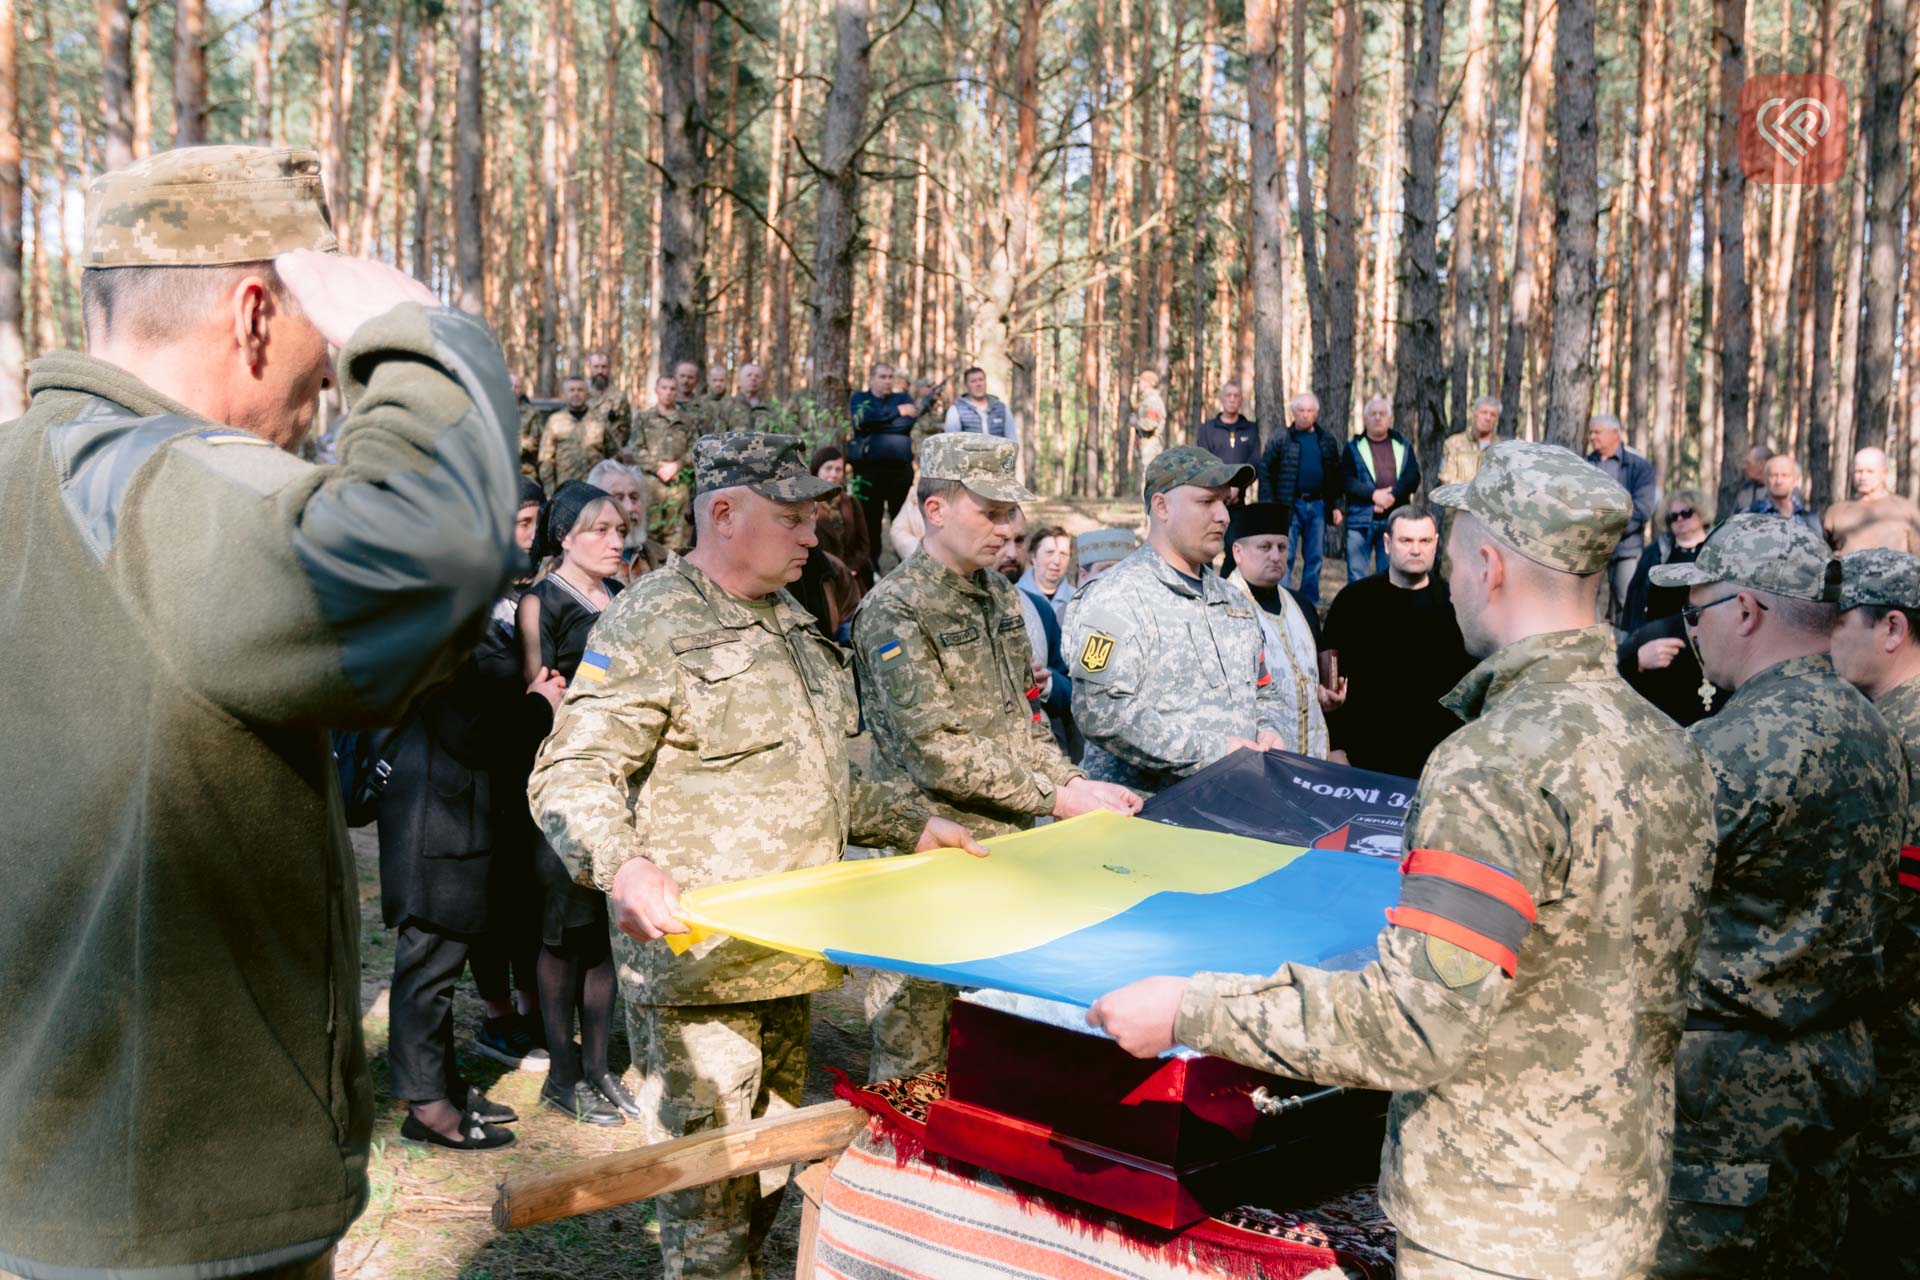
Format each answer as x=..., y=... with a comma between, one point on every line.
x=1776, y=1071
x=1259, y=552
x=1878, y=517
x=1460, y=455
x=1876, y=649
x=1227, y=435
x=1632, y=472
x=1169, y=662
x=1379, y=472
x=1753, y=478
x=185, y=1088
x=705, y=739
x=1530, y=985
x=1301, y=469
x=1783, y=494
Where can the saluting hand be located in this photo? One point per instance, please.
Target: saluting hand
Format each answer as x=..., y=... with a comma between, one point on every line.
x=646, y=901
x=945, y=833
x=338, y=294
x=1140, y=1015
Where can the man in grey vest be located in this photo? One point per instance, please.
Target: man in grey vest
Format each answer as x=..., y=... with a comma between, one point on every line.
x=978, y=411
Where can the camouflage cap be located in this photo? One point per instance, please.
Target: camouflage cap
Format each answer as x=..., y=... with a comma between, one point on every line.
x=1763, y=552
x=1104, y=546
x=1879, y=576
x=1547, y=503
x=983, y=463
x=770, y=465
x=1190, y=464
x=207, y=207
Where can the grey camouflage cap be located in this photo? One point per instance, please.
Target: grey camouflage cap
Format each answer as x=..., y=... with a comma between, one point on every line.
x=1104, y=546
x=1763, y=552
x=1548, y=503
x=1190, y=464
x=1879, y=576
x=770, y=465
x=207, y=207
x=982, y=463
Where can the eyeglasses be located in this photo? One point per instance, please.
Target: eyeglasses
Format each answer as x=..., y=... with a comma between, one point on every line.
x=1680, y=513
x=1690, y=614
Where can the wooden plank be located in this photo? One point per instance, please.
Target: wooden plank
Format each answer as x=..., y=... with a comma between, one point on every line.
x=812, y=1183
x=811, y=1133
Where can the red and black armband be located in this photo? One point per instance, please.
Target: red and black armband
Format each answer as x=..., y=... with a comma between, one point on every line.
x=1476, y=907
x=1909, y=867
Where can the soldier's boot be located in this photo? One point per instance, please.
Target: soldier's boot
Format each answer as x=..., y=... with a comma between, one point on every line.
x=907, y=1021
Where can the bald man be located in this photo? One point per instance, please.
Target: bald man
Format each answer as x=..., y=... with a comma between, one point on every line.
x=1878, y=517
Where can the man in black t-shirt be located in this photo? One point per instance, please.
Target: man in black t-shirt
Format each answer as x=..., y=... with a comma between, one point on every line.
x=1400, y=650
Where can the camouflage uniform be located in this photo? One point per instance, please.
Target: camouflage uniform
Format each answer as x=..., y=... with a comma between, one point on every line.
x=612, y=403
x=1162, y=674
x=572, y=445
x=737, y=413
x=1460, y=457
x=531, y=421
x=1530, y=987
x=667, y=435
x=1776, y=1073
x=712, y=734
x=1887, y=1183
x=946, y=678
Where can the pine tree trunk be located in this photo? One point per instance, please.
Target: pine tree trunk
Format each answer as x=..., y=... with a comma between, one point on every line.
x=469, y=233
x=143, y=82
x=1466, y=210
x=548, y=304
x=1268, y=248
x=13, y=346
x=571, y=199
x=1734, y=320
x=262, y=79
x=830, y=348
x=1575, y=226
x=425, y=124
x=189, y=73
x=114, y=21
x=1420, y=387
x=1888, y=73
x=1320, y=366
x=339, y=118
x=1342, y=277
x=1647, y=263
x=383, y=128
x=1538, y=37
x=683, y=234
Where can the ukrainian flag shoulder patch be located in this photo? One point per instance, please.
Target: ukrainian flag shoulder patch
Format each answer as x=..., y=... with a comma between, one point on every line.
x=593, y=667
x=888, y=651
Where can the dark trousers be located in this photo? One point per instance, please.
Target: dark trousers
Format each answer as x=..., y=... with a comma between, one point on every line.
x=887, y=484
x=426, y=967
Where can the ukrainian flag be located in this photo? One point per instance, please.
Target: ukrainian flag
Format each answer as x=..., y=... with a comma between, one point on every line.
x=1068, y=911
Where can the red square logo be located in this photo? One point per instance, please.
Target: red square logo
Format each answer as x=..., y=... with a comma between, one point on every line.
x=1793, y=129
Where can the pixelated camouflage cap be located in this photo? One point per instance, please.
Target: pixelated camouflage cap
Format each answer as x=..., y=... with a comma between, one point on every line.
x=207, y=207
x=1763, y=552
x=1547, y=503
x=1104, y=546
x=1190, y=464
x=770, y=465
x=1879, y=576
x=982, y=463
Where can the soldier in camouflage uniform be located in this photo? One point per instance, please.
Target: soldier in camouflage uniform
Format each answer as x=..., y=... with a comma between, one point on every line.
x=946, y=677
x=1775, y=1074
x=663, y=450
x=1530, y=986
x=576, y=439
x=748, y=411
x=605, y=398
x=531, y=420
x=706, y=738
x=1169, y=660
x=1876, y=648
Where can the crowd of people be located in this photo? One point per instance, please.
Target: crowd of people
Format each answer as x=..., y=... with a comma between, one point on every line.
x=1643, y=1005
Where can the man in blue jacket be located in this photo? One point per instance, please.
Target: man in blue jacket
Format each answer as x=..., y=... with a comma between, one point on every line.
x=1379, y=472
x=882, y=447
x=1634, y=474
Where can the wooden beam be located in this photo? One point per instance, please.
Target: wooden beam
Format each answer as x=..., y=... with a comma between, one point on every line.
x=811, y=1133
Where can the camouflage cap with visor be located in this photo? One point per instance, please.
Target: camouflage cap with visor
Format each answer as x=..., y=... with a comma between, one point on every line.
x=1763, y=552
x=207, y=207
x=1190, y=464
x=1878, y=576
x=985, y=464
x=1104, y=546
x=1545, y=502
x=770, y=465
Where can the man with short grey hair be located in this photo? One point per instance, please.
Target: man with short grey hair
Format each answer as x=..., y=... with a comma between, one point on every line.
x=1229, y=435
x=1460, y=455
x=1782, y=496
x=1300, y=469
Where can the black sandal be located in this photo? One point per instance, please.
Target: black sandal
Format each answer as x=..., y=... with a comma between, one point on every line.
x=475, y=1135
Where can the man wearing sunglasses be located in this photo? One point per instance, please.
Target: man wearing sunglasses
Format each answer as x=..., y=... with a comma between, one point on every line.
x=1876, y=647
x=1775, y=1072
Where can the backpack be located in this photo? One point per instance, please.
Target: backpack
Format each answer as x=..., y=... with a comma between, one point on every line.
x=361, y=763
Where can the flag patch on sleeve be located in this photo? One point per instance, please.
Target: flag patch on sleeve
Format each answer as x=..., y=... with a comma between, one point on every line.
x=888, y=651
x=1476, y=907
x=593, y=666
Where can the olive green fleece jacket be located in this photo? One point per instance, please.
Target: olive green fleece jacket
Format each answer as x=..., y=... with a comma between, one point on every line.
x=185, y=611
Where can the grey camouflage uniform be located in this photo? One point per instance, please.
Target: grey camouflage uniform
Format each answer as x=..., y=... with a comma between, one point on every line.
x=1533, y=1106
x=1775, y=1073
x=945, y=672
x=1886, y=1184
x=716, y=744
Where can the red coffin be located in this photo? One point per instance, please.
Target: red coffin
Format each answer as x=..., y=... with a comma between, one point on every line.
x=1167, y=1141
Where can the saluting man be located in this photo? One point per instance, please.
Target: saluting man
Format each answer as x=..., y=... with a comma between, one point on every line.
x=947, y=678
x=1531, y=983
x=1170, y=669
x=706, y=738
